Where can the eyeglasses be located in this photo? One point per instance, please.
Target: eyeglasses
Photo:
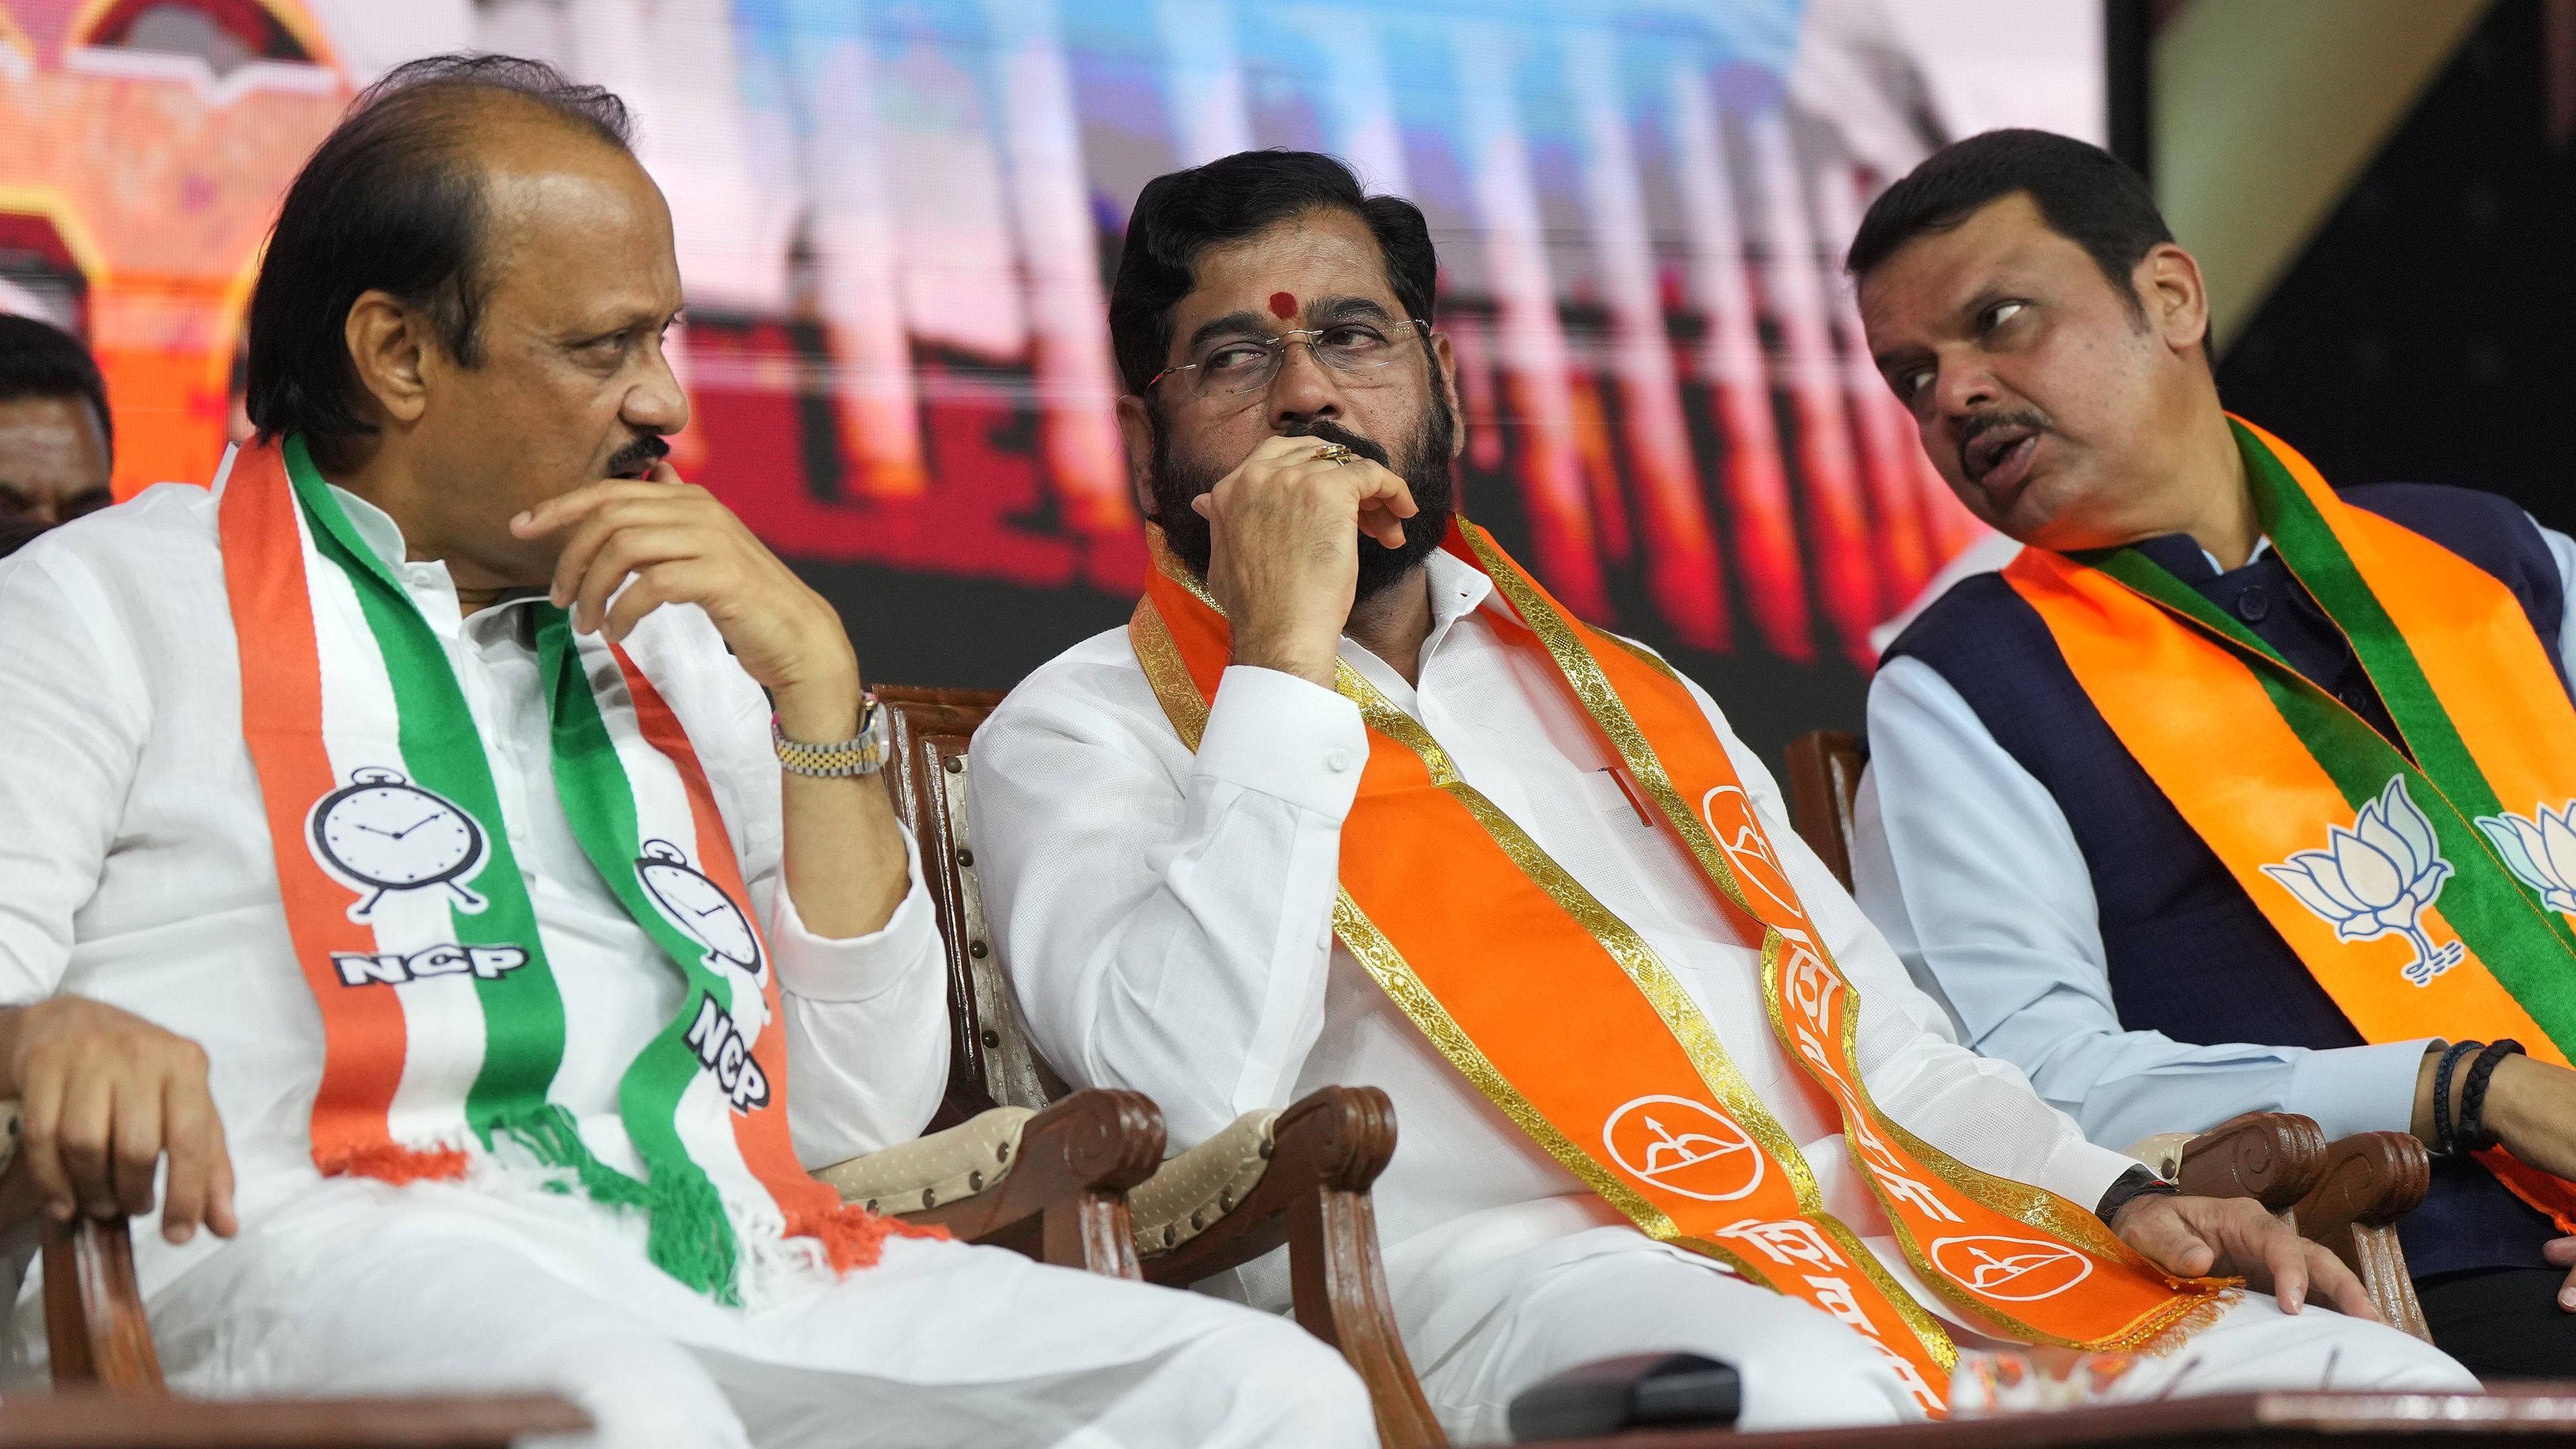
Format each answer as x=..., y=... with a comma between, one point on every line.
x=1357, y=353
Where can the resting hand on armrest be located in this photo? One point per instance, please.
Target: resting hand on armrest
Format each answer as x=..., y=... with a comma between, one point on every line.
x=2192, y=1237
x=104, y=1094
x=2531, y=1105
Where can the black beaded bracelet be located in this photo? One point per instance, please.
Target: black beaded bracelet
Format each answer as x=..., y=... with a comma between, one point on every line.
x=2474, y=1136
x=2444, y=1144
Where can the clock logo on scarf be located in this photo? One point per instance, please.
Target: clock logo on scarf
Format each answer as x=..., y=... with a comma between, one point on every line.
x=382, y=834
x=698, y=906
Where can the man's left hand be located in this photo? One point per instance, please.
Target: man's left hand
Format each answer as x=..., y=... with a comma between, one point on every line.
x=2196, y=1237
x=681, y=546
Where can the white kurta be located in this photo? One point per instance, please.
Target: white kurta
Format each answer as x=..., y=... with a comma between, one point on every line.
x=139, y=872
x=1167, y=922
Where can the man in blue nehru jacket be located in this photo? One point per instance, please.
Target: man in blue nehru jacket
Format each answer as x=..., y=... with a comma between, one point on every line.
x=2232, y=792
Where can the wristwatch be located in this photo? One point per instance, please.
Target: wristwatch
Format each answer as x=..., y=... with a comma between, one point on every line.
x=2139, y=1181
x=862, y=754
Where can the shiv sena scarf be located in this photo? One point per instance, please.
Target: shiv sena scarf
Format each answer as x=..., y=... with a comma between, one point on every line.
x=2426, y=889
x=444, y=1027
x=1568, y=1021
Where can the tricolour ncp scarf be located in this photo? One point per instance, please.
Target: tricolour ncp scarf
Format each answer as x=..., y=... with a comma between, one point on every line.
x=444, y=1027
x=1565, y=1017
x=2344, y=842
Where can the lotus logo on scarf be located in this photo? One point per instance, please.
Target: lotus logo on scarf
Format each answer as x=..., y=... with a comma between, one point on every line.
x=2377, y=879
x=2541, y=852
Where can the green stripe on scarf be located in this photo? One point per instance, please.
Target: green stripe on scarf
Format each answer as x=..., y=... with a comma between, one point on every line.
x=523, y=1015
x=690, y=1237
x=2527, y=948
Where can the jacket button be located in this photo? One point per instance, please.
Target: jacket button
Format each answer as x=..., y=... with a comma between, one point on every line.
x=2253, y=604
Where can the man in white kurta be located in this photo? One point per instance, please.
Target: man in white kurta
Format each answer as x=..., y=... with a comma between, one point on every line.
x=142, y=898
x=1166, y=915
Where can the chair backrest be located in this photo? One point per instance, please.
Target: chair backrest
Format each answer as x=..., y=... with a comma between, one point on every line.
x=991, y=1061
x=1824, y=779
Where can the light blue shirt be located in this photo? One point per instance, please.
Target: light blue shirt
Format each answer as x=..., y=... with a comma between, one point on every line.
x=1966, y=863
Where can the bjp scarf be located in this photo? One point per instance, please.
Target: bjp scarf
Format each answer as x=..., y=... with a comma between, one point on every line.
x=1568, y=1020
x=443, y=1026
x=2425, y=888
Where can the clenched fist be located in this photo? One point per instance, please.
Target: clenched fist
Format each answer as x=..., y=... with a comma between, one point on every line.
x=1285, y=529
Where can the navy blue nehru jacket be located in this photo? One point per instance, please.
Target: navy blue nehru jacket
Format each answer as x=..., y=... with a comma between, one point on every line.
x=2189, y=953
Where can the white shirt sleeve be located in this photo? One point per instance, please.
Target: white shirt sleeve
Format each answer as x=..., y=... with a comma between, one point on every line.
x=1981, y=1110
x=2563, y=549
x=1167, y=918
x=76, y=716
x=867, y=1025
x=1968, y=864
x=866, y=1018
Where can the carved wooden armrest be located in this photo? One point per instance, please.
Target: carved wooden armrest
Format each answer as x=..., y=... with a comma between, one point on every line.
x=2275, y=1158
x=2371, y=1179
x=95, y=1333
x=1313, y=1195
x=1050, y=1184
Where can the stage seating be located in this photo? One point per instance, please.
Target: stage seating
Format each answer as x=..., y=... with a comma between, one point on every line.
x=2347, y=1195
x=1299, y=1176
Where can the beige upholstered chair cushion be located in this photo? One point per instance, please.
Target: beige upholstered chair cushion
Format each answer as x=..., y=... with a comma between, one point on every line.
x=2162, y=1152
x=928, y=1171
x=1193, y=1190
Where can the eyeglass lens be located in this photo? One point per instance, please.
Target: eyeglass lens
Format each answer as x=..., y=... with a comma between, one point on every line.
x=1355, y=352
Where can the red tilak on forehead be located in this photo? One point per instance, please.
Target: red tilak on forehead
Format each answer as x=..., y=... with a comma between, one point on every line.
x=1283, y=305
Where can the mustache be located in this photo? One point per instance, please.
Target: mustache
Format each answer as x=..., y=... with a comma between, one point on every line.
x=1983, y=423
x=1332, y=432
x=638, y=456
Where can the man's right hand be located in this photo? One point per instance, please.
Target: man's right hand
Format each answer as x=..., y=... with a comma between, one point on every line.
x=104, y=1095
x=1284, y=565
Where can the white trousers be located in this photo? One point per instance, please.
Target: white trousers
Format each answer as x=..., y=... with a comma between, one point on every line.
x=1802, y=1369
x=363, y=1288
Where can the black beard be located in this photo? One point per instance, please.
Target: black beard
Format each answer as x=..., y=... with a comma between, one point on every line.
x=1425, y=471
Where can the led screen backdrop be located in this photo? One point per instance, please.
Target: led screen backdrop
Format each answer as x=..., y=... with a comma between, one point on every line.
x=896, y=218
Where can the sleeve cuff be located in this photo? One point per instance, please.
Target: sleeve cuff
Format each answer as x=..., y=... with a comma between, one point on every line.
x=2358, y=1089
x=855, y=969
x=1285, y=737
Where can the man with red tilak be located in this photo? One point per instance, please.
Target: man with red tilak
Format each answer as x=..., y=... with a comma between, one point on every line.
x=2234, y=792
x=1352, y=799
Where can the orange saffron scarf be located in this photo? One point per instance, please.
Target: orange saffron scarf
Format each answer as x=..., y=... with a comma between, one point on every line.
x=2418, y=887
x=1566, y=1018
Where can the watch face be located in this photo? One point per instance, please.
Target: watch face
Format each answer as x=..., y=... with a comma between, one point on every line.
x=381, y=833
x=698, y=905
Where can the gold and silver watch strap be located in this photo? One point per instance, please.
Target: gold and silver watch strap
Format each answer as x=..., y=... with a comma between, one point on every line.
x=862, y=754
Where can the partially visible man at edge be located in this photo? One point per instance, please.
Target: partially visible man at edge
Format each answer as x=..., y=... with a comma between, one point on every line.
x=444, y=714
x=1334, y=808
x=57, y=437
x=2231, y=793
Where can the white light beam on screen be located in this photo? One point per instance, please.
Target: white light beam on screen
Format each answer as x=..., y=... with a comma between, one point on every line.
x=851, y=230
x=1530, y=338
x=1209, y=107
x=1358, y=99
x=1682, y=568
x=1756, y=483
x=1085, y=459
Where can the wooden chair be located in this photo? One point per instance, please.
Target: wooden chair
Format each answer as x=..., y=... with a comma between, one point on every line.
x=2347, y=1195
x=1299, y=1176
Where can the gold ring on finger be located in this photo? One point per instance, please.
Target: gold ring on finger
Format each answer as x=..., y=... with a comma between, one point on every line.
x=1334, y=453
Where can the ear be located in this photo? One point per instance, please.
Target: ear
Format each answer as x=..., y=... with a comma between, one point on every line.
x=1138, y=431
x=390, y=347
x=2169, y=284
x=1449, y=389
